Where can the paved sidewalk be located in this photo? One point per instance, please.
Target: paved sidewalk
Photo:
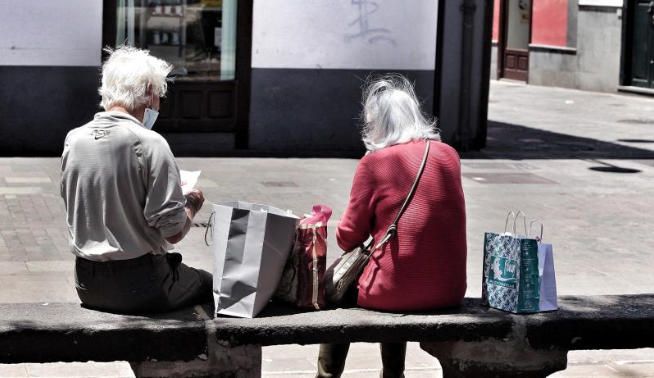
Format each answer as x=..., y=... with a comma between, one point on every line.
x=581, y=162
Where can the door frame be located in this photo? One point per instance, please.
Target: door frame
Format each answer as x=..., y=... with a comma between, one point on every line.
x=503, y=36
x=243, y=61
x=627, y=45
x=243, y=71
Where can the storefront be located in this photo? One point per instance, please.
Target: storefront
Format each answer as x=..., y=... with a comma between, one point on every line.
x=527, y=32
x=598, y=45
x=263, y=77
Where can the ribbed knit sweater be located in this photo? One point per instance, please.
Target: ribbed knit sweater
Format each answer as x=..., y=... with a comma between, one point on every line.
x=424, y=266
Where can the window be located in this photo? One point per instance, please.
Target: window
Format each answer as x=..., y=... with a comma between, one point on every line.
x=196, y=35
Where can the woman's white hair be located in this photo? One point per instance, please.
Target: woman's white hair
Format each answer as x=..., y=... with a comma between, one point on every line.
x=392, y=115
x=127, y=75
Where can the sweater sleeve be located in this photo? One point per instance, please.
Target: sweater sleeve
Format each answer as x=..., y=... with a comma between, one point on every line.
x=357, y=220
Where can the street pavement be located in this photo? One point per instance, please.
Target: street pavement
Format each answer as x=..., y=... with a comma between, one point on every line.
x=582, y=163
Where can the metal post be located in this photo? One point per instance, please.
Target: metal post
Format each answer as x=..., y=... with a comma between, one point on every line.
x=467, y=38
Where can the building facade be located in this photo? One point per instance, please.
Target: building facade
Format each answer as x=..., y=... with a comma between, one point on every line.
x=262, y=77
x=597, y=45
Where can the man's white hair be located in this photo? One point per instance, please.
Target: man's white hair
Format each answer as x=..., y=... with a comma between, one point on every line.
x=128, y=73
x=392, y=115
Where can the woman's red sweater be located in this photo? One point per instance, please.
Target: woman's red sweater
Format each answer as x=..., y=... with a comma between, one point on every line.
x=424, y=266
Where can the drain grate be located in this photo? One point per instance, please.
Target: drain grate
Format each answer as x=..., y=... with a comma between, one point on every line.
x=610, y=168
x=637, y=121
x=279, y=184
x=636, y=140
x=496, y=165
x=614, y=169
x=200, y=224
x=507, y=178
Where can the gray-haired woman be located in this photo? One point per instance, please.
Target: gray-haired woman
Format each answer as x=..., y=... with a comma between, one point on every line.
x=424, y=266
x=124, y=204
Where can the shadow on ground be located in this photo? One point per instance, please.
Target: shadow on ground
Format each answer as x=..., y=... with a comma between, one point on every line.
x=508, y=141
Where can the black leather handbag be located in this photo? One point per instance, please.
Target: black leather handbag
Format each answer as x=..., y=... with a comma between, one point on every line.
x=345, y=271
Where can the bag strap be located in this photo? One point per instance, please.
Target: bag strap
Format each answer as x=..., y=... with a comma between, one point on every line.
x=392, y=229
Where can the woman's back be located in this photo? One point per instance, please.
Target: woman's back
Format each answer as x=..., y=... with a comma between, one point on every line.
x=424, y=266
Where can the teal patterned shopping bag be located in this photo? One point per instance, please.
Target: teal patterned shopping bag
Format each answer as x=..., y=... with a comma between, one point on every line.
x=510, y=274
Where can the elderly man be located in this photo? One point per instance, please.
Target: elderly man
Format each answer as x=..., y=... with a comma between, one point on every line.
x=123, y=198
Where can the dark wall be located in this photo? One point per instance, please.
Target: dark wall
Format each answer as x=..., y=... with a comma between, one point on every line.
x=38, y=105
x=307, y=112
x=293, y=112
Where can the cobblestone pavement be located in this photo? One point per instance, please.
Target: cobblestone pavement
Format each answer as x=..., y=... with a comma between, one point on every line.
x=581, y=162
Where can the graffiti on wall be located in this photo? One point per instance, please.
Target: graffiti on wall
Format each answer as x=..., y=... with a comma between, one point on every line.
x=362, y=26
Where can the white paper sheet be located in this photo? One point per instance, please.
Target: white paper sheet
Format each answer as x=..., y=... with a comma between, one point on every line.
x=189, y=180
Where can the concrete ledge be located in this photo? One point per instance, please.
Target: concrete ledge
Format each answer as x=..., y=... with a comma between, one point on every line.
x=595, y=322
x=585, y=322
x=282, y=325
x=600, y=8
x=68, y=332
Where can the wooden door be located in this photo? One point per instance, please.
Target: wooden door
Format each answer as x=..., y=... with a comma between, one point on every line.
x=202, y=106
x=515, y=34
x=642, y=44
x=516, y=64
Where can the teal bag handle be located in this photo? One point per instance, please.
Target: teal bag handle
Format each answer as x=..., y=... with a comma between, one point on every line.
x=513, y=215
x=506, y=222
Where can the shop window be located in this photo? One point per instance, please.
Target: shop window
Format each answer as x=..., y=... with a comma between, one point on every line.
x=196, y=36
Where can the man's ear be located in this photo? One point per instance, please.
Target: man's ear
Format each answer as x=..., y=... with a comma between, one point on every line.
x=148, y=93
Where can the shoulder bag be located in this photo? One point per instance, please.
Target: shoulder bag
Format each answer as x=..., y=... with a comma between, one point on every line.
x=345, y=271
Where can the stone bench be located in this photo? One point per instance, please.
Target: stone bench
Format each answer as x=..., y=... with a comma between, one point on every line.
x=468, y=341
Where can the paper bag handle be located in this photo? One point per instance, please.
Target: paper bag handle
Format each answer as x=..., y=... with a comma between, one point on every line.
x=209, y=227
x=524, y=221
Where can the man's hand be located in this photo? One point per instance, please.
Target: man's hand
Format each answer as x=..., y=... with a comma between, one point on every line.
x=194, y=201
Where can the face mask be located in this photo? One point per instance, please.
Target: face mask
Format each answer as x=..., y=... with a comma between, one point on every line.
x=149, y=117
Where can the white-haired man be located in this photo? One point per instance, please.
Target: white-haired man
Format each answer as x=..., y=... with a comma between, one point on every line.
x=124, y=203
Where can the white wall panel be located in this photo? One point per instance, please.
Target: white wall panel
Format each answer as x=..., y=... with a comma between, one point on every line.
x=50, y=33
x=344, y=34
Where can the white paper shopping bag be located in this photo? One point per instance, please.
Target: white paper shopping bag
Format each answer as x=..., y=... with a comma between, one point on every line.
x=251, y=243
x=547, y=277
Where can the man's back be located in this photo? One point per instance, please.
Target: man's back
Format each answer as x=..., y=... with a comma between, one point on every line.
x=121, y=189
